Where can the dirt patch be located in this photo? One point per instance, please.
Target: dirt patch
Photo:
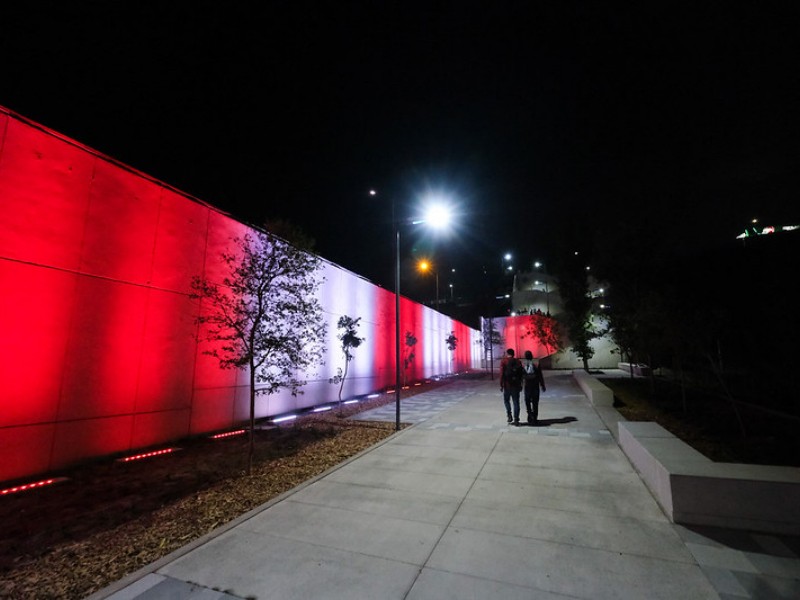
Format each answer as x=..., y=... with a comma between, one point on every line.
x=710, y=423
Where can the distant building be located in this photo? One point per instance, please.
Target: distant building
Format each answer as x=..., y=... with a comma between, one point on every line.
x=536, y=292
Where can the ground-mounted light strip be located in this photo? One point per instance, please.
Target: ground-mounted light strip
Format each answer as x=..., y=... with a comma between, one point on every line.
x=371, y=396
x=321, y=409
x=284, y=419
x=148, y=454
x=356, y=401
x=31, y=486
x=228, y=434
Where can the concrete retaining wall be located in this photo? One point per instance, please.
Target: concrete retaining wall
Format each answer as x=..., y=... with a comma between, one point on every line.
x=694, y=490
x=597, y=393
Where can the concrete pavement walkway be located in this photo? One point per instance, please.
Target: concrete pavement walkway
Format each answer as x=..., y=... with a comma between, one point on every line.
x=464, y=506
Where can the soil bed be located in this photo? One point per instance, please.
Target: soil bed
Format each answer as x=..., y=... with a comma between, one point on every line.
x=709, y=423
x=111, y=518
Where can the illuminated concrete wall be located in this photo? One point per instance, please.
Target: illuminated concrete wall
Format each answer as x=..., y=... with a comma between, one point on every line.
x=97, y=328
x=517, y=332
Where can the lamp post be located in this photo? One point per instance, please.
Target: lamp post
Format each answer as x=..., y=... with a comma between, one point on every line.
x=438, y=216
x=545, y=281
x=507, y=268
x=396, y=317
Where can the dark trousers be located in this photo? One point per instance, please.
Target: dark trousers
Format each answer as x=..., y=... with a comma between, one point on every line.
x=508, y=397
x=532, y=402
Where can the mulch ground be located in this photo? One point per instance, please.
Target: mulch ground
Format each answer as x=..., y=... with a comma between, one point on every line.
x=111, y=518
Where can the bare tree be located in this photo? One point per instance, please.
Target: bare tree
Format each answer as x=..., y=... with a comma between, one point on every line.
x=264, y=316
x=547, y=331
x=410, y=354
x=350, y=340
x=452, y=343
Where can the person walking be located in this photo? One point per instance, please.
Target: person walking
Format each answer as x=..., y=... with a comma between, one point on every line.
x=511, y=376
x=533, y=381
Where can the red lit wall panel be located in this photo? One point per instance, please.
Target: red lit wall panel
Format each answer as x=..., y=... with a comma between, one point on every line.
x=180, y=243
x=221, y=230
x=121, y=225
x=207, y=374
x=212, y=409
x=150, y=429
x=38, y=172
x=384, y=347
x=518, y=333
x=36, y=305
x=75, y=440
x=104, y=350
x=165, y=372
x=26, y=450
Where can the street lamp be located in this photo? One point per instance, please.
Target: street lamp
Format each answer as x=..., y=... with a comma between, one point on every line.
x=438, y=217
x=425, y=267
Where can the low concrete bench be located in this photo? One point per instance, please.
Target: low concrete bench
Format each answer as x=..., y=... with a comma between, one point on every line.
x=693, y=490
x=638, y=369
x=597, y=393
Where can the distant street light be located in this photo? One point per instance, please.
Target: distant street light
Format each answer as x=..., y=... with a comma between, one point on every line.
x=436, y=216
x=425, y=267
x=539, y=266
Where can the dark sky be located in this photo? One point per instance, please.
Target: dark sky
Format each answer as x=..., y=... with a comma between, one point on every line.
x=545, y=121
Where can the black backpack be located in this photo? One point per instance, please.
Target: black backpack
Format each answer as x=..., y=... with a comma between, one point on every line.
x=533, y=374
x=513, y=373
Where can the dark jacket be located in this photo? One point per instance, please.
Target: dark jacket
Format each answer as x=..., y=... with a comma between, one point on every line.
x=533, y=376
x=503, y=368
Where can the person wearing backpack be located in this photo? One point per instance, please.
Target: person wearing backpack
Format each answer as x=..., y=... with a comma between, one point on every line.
x=533, y=381
x=511, y=379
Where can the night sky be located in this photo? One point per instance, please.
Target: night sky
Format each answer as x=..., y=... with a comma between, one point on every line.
x=545, y=122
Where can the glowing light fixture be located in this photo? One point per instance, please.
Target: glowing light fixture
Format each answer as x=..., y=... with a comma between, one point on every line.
x=425, y=266
x=321, y=409
x=437, y=216
x=148, y=455
x=284, y=419
x=31, y=486
x=228, y=434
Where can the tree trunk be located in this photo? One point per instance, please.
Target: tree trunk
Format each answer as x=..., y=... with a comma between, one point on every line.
x=251, y=448
x=682, y=379
x=341, y=385
x=718, y=372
